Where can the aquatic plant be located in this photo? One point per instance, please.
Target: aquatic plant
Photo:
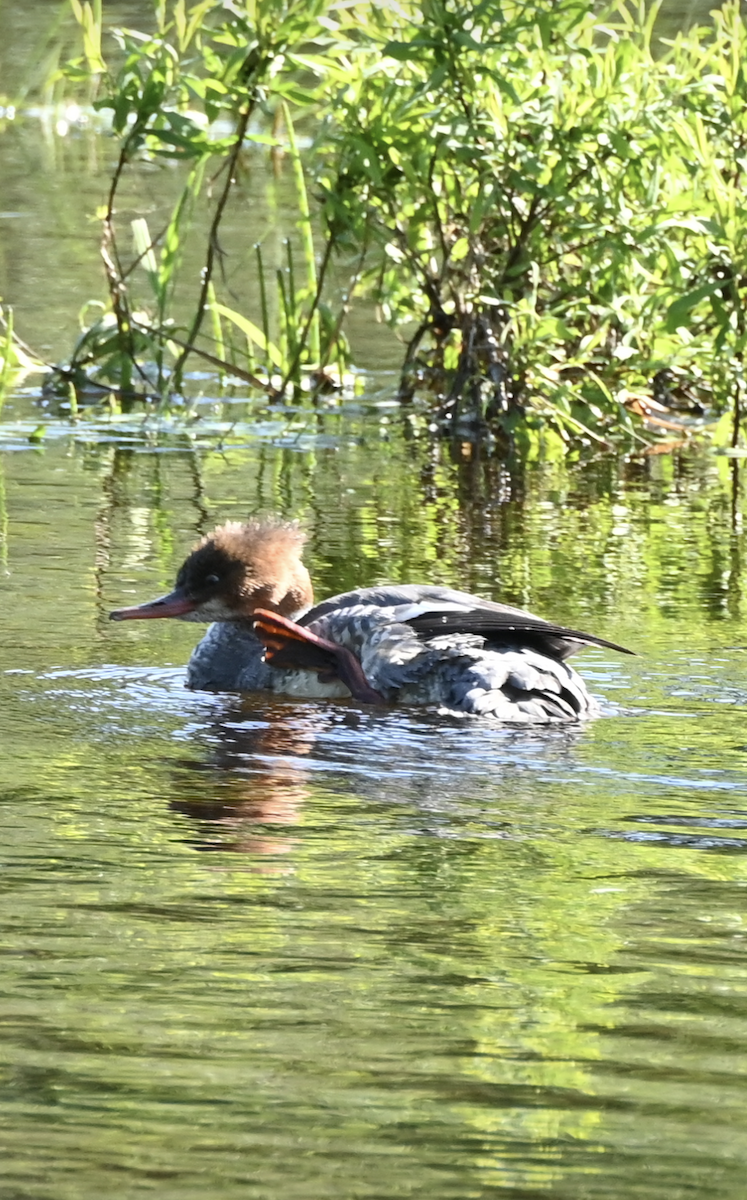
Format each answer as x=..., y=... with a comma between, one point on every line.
x=547, y=201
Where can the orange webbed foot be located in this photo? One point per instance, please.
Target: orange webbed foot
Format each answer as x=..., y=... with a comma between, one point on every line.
x=291, y=647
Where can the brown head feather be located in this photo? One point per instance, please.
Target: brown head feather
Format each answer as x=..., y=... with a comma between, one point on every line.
x=258, y=565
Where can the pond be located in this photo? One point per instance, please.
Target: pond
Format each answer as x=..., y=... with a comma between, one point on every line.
x=260, y=948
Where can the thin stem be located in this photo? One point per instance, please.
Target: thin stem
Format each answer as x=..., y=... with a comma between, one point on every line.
x=113, y=266
x=333, y=340
x=314, y=305
x=213, y=248
x=263, y=305
x=217, y=362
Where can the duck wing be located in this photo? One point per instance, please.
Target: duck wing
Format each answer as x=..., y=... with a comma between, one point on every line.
x=510, y=628
x=441, y=611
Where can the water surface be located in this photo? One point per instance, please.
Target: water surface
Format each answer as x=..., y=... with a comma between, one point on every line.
x=262, y=949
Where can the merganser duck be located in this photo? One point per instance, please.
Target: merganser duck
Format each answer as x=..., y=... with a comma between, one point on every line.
x=407, y=644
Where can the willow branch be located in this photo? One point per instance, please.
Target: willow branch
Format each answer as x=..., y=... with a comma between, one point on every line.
x=112, y=264
x=212, y=250
x=307, y=326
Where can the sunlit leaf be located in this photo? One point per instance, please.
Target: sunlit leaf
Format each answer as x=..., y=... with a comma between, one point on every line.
x=252, y=332
x=678, y=312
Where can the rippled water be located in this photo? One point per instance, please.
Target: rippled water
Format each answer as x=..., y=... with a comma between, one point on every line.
x=278, y=951
x=256, y=948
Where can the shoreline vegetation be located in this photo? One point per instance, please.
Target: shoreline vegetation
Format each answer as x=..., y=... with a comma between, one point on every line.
x=546, y=201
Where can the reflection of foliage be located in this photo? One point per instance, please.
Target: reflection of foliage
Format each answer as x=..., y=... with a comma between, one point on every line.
x=447, y=910
x=606, y=546
x=15, y=357
x=557, y=210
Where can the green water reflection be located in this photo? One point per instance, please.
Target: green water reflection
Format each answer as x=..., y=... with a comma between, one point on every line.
x=260, y=949
x=269, y=949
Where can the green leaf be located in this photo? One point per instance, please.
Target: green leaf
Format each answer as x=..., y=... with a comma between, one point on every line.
x=252, y=332
x=679, y=311
x=403, y=51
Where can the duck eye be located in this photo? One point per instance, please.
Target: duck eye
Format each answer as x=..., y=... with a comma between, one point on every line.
x=212, y=580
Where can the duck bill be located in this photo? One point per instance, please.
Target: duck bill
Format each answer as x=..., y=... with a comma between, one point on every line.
x=175, y=604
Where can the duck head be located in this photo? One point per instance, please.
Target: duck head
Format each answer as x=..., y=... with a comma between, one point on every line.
x=233, y=571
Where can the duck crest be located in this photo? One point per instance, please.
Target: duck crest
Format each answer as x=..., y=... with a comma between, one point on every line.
x=258, y=563
x=266, y=536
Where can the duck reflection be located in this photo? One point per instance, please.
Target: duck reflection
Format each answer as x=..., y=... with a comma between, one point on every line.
x=256, y=774
x=264, y=760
